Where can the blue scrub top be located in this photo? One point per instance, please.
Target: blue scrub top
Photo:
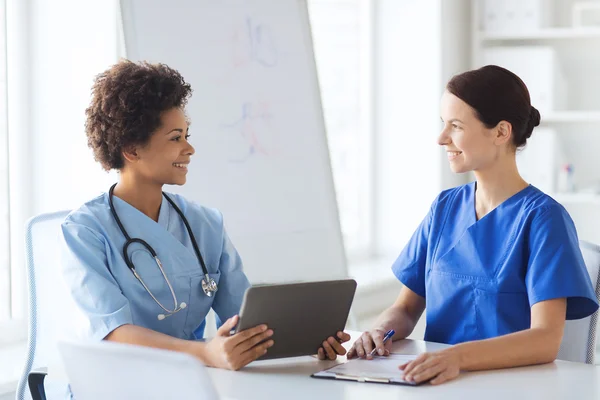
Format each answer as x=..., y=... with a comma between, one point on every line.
x=480, y=277
x=108, y=293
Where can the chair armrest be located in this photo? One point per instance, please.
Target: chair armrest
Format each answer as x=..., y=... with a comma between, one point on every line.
x=36, y=384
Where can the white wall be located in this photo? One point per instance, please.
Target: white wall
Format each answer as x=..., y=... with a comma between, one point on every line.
x=407, y=51
x=455, y=22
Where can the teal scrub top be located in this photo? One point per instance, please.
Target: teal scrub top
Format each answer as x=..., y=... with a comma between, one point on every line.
x=109, y=295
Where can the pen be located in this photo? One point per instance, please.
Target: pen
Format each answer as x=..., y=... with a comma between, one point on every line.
x=387, y=336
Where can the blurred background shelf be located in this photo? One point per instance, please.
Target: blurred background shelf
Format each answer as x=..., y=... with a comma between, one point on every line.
x=572, y=116
x=542, y=34
x=555, y=49
x=577, y=198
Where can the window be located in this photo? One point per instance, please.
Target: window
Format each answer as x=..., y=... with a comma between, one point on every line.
x=5, y=294
x=342, y=37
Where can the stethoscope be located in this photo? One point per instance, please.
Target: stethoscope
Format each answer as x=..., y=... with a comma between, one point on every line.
x=209, y=286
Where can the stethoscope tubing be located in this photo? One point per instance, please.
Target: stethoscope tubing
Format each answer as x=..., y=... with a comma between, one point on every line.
x=207, y=281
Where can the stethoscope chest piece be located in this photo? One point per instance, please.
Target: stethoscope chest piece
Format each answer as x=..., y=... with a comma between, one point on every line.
x=209, y=285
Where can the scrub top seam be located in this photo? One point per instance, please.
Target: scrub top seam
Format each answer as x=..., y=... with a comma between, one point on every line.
x=443, y=225
x=508, y=249
x=168, y=225
x=470, y=278
x=544, y=210
x=476, y=309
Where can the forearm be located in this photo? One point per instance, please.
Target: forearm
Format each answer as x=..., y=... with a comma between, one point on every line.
x=399, y=319
x=528, y=347
x=132, y=334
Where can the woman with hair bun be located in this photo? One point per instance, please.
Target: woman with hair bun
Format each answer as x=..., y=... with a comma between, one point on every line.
x=496, y=262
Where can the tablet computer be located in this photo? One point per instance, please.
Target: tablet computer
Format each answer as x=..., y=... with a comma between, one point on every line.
x=301, y=315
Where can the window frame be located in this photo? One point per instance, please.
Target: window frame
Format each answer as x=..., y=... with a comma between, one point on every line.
x=14, y=330
x=5, y=298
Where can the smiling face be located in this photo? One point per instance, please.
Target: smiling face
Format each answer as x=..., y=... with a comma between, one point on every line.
x=469, y=144
x=164, y=159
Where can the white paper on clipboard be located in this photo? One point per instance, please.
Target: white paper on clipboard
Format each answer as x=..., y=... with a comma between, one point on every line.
x=379, y=369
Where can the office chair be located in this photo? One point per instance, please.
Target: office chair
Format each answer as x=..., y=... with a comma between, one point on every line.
x=51, y=310
x=579, y=339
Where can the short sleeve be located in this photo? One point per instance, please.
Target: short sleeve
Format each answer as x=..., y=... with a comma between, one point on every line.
x=92, y=286
x=232, y=284
x=556, y=268
x=409, y=267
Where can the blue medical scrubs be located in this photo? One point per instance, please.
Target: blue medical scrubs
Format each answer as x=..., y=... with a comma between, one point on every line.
x=480, y=277
x=109, y=295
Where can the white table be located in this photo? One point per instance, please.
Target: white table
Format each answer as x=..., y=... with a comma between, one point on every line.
x=290, y=379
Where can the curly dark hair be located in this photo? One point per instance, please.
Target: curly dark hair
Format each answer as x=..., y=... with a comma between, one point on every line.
x=127, y=102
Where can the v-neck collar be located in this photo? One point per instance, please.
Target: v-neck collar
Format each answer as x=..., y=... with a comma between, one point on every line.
x=507, y=202
x=163, y=212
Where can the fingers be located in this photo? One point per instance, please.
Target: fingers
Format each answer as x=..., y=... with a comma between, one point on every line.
x=352, y=352
x=228, y=326
x=362, y=346
x=337, y=346
x=408, y=367
x=343, y=337
x=357, y=349
x=378, y=343
x=321, y=353
x=329, y=350
x=247, y=334
x=253, y=341
x=445, y=376
x=255, y=352
x=426, y=369
x=388, y=346
x=367, y=344
x=333, y=348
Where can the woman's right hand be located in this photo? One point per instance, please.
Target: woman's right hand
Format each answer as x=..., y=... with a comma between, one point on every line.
x=368, y=341
x=236, y=351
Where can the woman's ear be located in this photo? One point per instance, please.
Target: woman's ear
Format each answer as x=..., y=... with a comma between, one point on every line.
x=130, y=154
x=503, y=132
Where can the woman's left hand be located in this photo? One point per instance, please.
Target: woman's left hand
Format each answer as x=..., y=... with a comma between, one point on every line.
x=440, y=366
x=332, y=347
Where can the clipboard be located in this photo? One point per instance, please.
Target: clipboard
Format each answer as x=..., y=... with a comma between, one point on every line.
x=383, y=370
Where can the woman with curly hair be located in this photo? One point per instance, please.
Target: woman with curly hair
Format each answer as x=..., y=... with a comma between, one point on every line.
x=144, y=266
